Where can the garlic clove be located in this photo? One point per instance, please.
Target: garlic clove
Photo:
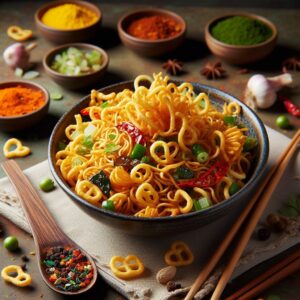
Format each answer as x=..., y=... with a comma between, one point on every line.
x=261, y=91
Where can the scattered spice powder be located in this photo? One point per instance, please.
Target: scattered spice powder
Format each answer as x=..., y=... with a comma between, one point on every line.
x=68, y=269
x=154, y=28
x=19, y=100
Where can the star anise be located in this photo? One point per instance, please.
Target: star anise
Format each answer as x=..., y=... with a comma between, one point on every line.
x=213, y=70
x=173, y=66
x=292, y=63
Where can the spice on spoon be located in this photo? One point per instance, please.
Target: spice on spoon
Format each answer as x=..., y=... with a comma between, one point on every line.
x=68, y=269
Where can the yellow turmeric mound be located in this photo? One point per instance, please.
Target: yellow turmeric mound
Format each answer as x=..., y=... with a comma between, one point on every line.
x=69, y=16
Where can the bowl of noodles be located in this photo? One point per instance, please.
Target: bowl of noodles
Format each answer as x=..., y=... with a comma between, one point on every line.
x=153, y=156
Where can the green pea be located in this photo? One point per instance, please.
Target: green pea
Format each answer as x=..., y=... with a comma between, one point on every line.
x=282, y=122
x=108, y=205
x=46, y=184
x=11, y=243
x=234, y=188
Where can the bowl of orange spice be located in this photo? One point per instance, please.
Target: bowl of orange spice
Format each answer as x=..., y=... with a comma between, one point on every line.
x=152, y=32
x=22, y=105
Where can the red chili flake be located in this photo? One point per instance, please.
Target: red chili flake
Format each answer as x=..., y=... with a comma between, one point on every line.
x=133, y=131
x=210, y=178
x=85, y=111
x=291, y=108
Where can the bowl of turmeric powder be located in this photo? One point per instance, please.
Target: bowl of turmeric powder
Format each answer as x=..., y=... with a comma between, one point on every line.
x=22, y=105
x=68, y=21
x=152, y=32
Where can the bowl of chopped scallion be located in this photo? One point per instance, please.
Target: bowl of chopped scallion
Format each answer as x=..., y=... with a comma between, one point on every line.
x=76, y=66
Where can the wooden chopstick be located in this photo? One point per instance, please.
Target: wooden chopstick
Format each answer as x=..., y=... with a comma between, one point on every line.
x=207, y=269
x=256, y=215
x=282, y=269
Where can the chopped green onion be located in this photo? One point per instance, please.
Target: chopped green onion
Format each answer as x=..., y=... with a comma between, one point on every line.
x=112, y=147
x=200, y=153
x=234, y=188
x=201, y=203
x=76, y=162
x=230, y=120
x=90, y=130
x=250, y=144
x=112, y=136
x=88, y=141
x=105, y=104
x=31, y=75
x=19, y=72
x=183, y=173
x=108, y=205
x=82, y=150
x=145, y=159
x=138, y=151
x=202, y=103
x=75, y=134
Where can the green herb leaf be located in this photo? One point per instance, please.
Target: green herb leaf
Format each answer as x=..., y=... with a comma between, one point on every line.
x=288, y=211
x=112, y=147
x=112, y=136
x=49, y=263
x=88, y=141
x=105, y=104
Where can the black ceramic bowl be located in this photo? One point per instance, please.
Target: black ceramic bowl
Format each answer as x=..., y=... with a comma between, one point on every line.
x=162, y=225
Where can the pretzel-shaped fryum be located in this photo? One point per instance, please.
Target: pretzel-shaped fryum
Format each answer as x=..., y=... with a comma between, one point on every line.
x=19, y=151
x=19, y=34
x=89, y=191
x=179, y=255
x=127, y=267
x=22, y=279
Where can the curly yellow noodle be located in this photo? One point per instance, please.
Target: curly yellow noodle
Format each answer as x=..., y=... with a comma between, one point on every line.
x=172, y=119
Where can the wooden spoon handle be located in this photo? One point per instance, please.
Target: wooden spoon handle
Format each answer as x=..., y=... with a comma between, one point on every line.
x=43, y=226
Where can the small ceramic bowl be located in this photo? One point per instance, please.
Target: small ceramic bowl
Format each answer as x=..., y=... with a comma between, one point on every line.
x=21, y=122
x=240, y=54
x=72, y=81
x=59, y=36
x=145, y=47
x=164, y=225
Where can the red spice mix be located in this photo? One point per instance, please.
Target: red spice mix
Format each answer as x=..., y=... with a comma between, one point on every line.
x=154, y=28
x=15, y=101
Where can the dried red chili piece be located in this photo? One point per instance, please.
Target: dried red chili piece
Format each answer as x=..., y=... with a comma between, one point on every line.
x=133, y=131
x=210, y=178
x=85, y=111
x=291, y=108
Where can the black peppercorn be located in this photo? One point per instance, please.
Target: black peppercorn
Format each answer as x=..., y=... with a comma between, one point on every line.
x=263, y=233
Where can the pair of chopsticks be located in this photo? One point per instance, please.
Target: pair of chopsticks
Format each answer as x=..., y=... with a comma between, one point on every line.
x=260, y=201
x=282, y=269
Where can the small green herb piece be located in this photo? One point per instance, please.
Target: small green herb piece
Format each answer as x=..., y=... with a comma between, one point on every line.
x=112, y=136
x=108, y=205
x=201, y=203
x=250, y=144
x=230, y=120
x=61, y=145
x=102, y=181
x=83, y=150
x=88, y=141
x=46, y=184
x=76, y=162
x=112, y=147
x=49, y=263
x=11, y=243
x=234, y=188
x=291, y=209
x=282, y=122
x=138, y=151
x=183, y=172
x=200, y=153
x=105, y=104
x=56, y=96
x=145, y=159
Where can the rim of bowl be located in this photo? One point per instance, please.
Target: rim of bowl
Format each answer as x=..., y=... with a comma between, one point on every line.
x=152, y=11
x=35, y=86
x=261, y=164
x=42, y=10
x=77, y=45
x=264, y=20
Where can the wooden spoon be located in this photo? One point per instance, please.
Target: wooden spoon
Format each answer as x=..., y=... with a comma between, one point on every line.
x=45, y=231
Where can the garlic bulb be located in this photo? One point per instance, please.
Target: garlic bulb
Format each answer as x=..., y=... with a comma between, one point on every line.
x=17, y=55
x=261, y=91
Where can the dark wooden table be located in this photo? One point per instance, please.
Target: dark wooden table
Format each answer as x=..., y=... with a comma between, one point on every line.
x=126, y=65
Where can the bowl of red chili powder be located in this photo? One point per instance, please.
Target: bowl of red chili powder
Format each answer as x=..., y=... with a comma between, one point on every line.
x=22, y=105
x=152, y=32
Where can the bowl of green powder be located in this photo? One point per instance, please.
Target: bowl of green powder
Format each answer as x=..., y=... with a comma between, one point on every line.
x=241, y=38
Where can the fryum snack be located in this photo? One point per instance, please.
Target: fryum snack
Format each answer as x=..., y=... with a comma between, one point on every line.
x=22, y=279
x=179, y=255
x=18, y=149
x=156, y=151
x=128, y=267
